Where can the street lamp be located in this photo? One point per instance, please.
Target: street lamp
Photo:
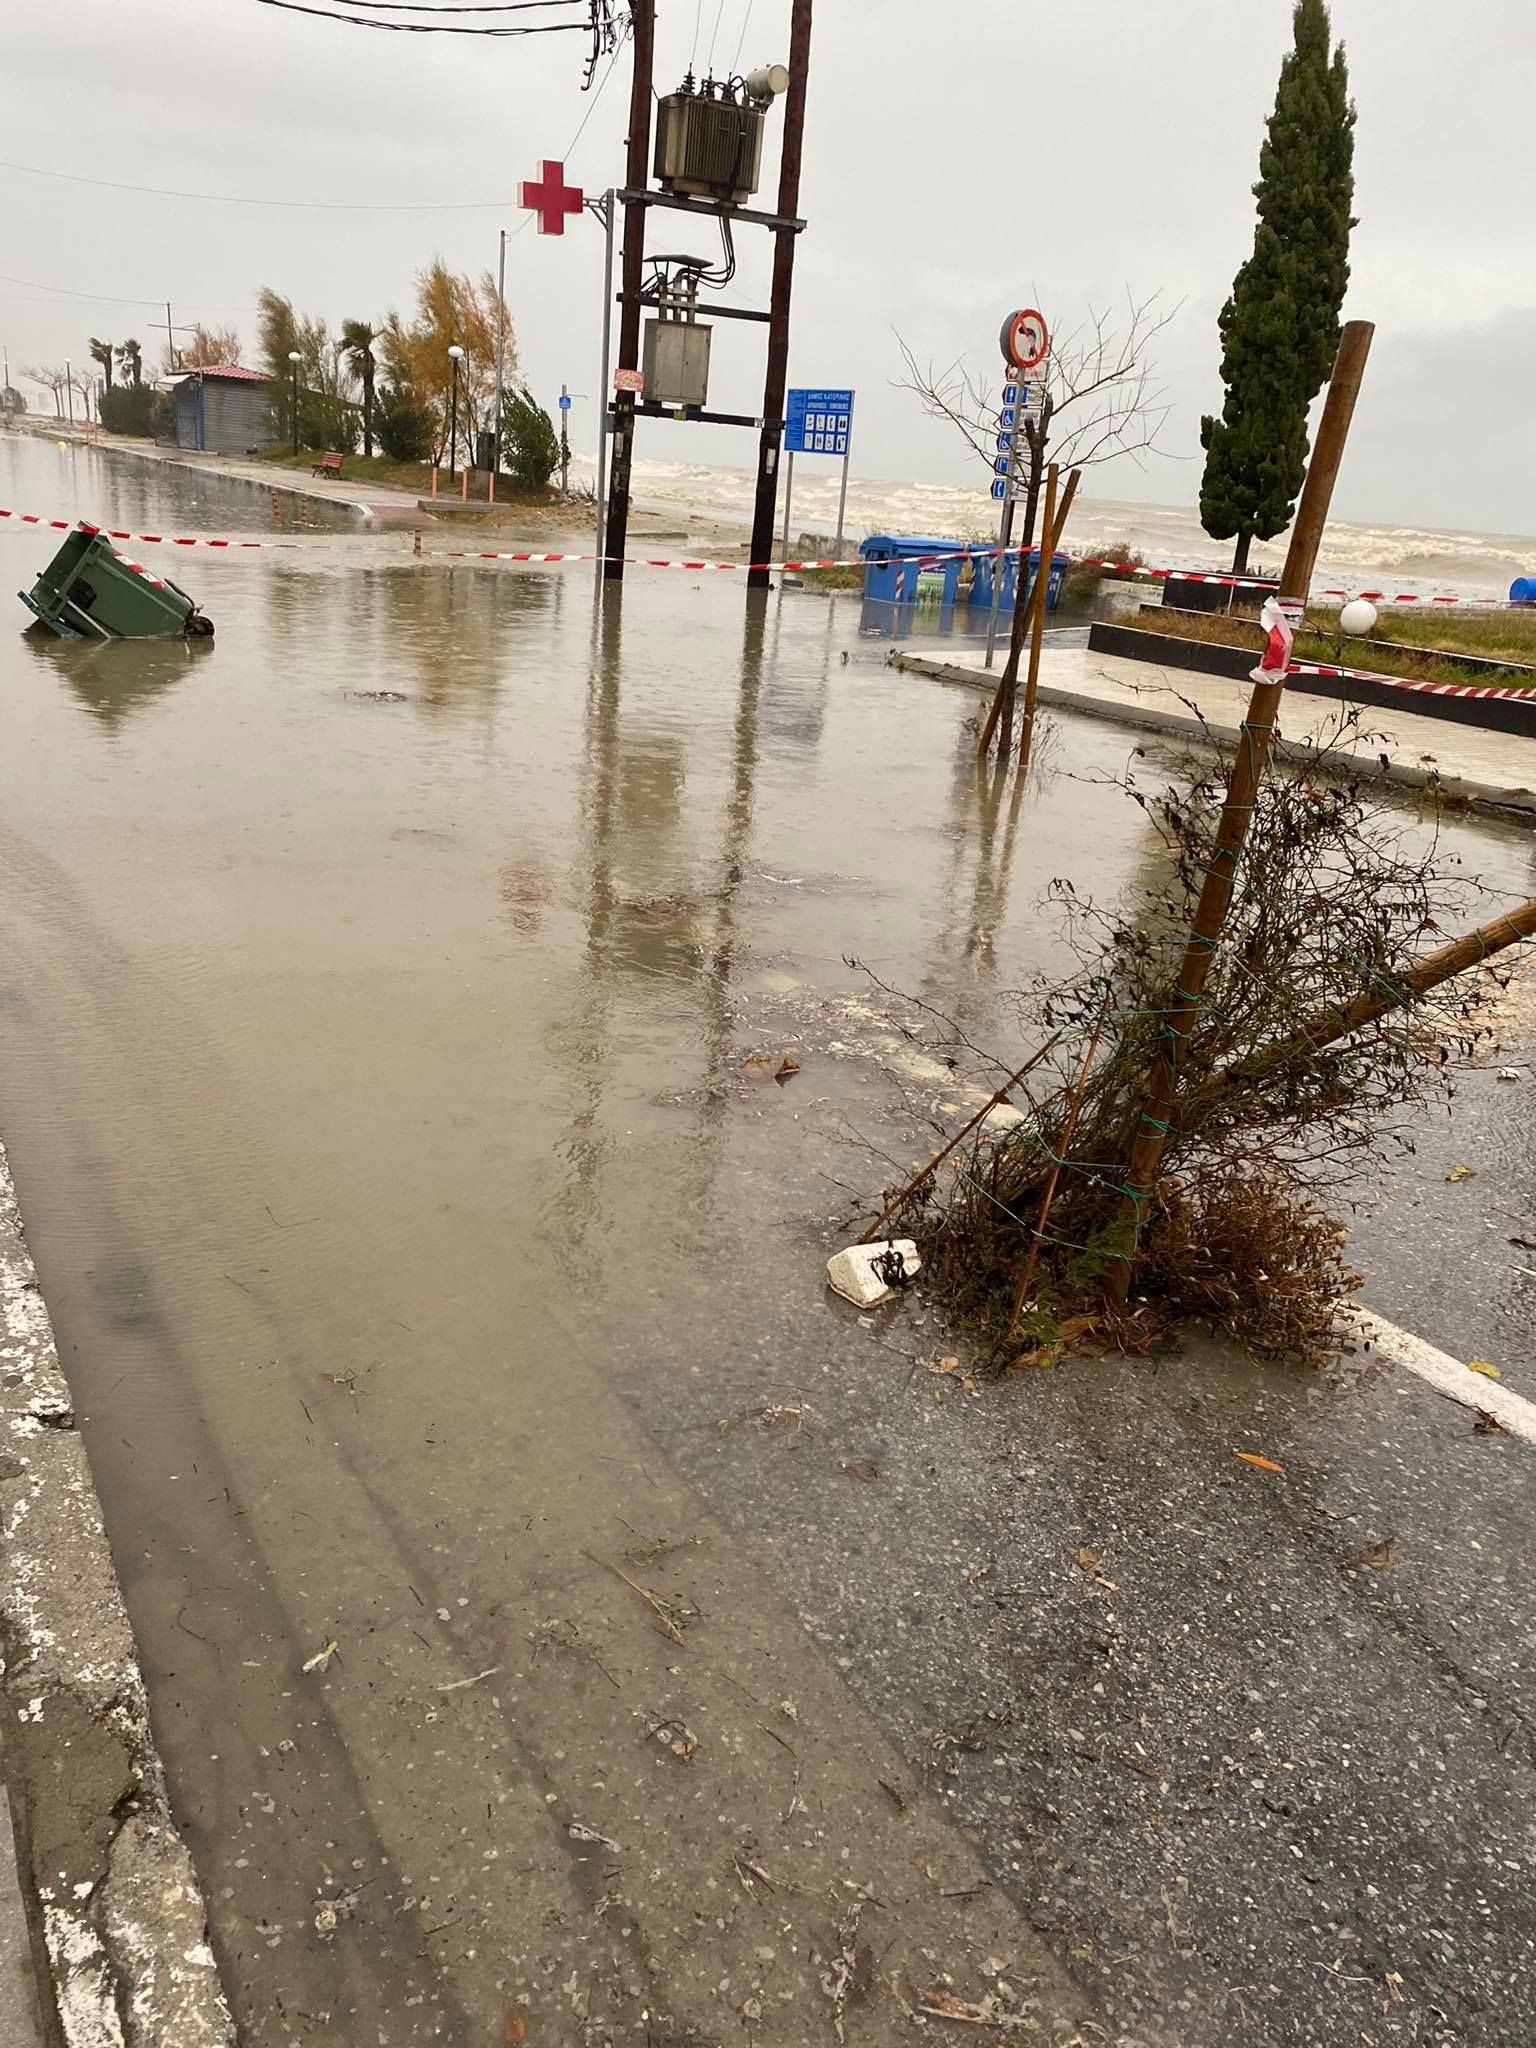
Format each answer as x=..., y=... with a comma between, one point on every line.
x=455, y=356
x=295, y=359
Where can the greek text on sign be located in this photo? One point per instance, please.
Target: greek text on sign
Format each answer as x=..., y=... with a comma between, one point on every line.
x=817, y=422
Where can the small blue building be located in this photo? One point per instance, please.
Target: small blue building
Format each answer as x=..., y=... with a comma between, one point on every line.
x=225, y=408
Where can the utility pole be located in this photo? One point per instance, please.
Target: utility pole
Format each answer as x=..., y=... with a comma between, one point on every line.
x=777, y=375
x=501, y=331
x=1160, y=1102
x=637, y=176
x=170, y=346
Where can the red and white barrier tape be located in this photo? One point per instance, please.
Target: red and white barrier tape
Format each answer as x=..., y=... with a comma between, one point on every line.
x=1128, y=572
x=1366, y=675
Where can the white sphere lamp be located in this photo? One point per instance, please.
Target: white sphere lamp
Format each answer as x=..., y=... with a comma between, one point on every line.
x=1357, y=618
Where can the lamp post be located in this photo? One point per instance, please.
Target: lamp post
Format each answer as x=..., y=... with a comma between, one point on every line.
x=69, y=389
x=455, y=356
x=294, y=359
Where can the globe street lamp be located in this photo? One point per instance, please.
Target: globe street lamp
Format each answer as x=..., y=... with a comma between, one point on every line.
x=295, y=359
x=455, y=356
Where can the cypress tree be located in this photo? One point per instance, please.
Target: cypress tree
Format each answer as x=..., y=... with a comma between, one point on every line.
x=1280, y=327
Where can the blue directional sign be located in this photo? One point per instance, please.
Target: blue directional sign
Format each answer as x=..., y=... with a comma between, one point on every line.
x=565, y=401
x=999, y=487
x=817, y=422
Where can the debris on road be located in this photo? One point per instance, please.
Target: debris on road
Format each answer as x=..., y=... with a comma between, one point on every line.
x=869, y=1273
x=1509, y=1073
x=1460, y=1173
x=321, y=1658
x=458, y=1684
x=858, y=1468
x=1264, y=1464
x=580, y=1832
x=1481, y=1365
x=1379, y=1556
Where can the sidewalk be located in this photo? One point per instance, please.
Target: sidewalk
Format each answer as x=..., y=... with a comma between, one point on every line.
x=19, y=2025
x=1492, y=769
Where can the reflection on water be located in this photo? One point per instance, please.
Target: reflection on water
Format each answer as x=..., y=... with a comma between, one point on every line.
x=404, y=1040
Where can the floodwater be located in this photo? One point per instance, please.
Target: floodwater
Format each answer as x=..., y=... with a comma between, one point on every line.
x=378, y=981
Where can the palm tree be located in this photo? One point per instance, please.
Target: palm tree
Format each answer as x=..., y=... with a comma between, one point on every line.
x=357, y=339
x=101, y=352
x=130, y=356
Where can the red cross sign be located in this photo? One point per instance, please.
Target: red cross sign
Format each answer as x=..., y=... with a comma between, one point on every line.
x=551, y=198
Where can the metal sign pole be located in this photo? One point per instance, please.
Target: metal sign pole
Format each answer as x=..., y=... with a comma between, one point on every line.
x=608, y=208
x=789, y=485
x=501, y=330
x=1004, y=527
x=842, y=493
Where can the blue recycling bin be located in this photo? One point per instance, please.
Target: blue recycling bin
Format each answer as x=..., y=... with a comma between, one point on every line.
x=981, y=589
x=895, y=568
x=1523, y=590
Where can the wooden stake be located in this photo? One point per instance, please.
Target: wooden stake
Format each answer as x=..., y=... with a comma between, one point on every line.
x=1391, y=993
x=1023, y=615
x=1068, y=1131
x=939, y=1157
x=1248, y=766
x=1056, y=529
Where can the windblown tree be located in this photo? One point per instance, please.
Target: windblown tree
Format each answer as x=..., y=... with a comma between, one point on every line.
x=357, y=339
x=450, y=308
x=211, y=348
x=102, y=352
x=327, y=416
x=1280, y=327
x=130, y=360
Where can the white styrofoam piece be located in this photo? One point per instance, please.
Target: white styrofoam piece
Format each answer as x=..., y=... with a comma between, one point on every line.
x=851, y=1272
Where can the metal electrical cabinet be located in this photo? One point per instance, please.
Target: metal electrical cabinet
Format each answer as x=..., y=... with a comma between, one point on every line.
x=676, y=362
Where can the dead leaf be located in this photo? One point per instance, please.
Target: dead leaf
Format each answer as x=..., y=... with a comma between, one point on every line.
x=1379, y=1556
x=1460, y=1173
x=758, y=1068
x=857, y=1470
x=514, y=2030
x=787, y=1066
x=945, y=1365
x=1488, y=1425
x=955, y=2008
x=1041, y=1355
x=1264, y=1464
x=1075, y=1327
x=1489, y=1372
x=1088, y=1560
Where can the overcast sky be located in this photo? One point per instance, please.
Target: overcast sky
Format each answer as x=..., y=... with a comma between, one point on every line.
x=959, y=159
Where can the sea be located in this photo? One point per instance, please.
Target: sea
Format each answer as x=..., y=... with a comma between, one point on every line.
x=1357, y=556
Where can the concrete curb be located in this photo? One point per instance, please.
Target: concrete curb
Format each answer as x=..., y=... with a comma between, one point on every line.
x=1517, y=806
x=112, y=1896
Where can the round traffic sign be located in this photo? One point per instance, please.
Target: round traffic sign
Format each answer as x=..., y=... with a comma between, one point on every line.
x=1025, y=339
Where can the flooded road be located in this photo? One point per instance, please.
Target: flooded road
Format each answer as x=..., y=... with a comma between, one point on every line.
x=378, y=980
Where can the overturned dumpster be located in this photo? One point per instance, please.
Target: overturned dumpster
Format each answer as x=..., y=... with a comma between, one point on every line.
x=91, y=592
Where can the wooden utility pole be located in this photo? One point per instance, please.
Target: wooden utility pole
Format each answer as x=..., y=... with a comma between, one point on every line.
x=637, y=177
x=1161, y=1099
x=776, y=376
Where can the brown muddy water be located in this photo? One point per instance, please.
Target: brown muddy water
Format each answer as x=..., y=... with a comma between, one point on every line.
x=372, y=1071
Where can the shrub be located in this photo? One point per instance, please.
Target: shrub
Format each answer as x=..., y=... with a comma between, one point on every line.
x=530, y=445
x=402, y=424
x=132, y=409
x=326, y=422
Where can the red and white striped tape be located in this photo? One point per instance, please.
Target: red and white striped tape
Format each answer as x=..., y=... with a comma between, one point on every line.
x=1128, y=572
x=1366, y=675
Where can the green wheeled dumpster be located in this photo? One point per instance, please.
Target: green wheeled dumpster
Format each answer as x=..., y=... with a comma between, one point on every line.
x=91, y=592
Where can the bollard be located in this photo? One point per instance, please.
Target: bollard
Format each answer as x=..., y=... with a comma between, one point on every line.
x=416, y=542
x=277, y=515
x=434, y=479
x=464, y=485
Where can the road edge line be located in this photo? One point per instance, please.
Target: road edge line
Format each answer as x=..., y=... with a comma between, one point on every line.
x=1447, y=1375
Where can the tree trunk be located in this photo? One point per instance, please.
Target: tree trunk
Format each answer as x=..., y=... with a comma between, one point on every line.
x=368, y=407
x=1240, y=554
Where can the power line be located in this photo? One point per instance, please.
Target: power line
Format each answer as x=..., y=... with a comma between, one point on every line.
x=741, y=39
x=710, y=60
x=109, y=298
x=460, y=6
x=430, y=28
x=238, y=199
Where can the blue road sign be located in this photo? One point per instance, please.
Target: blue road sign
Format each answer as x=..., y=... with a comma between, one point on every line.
x=817, y=422
x=1008, y=417
x=999, y=488
x=565, y=401
x=1005, y=441
x=1010, y=394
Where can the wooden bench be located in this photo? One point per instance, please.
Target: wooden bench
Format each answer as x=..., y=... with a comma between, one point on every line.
x=328, y=465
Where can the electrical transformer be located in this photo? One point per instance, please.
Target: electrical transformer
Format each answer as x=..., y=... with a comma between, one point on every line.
x=709, y=146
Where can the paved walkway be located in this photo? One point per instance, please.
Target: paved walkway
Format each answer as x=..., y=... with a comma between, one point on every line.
x=1493, y=766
